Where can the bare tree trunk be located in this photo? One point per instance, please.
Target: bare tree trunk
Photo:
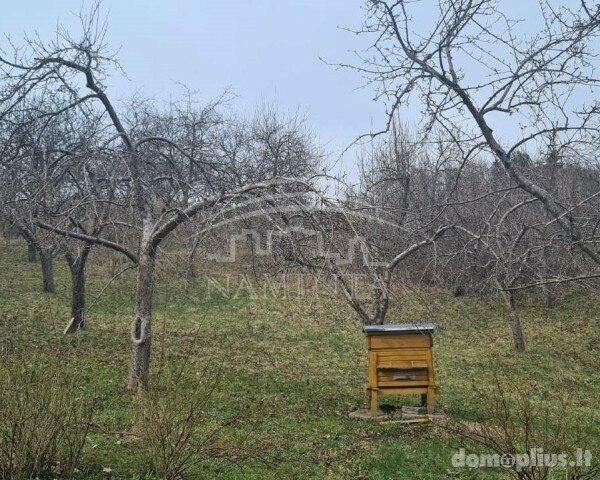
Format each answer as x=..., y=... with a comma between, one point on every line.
x=517, y=328
x=77, y=268
x=31, y=243
x=191, y=252
x=77, y=299
x=380, y=297
x=47, y=264
x=141, y=327
x=31, y=252
x=550, y=263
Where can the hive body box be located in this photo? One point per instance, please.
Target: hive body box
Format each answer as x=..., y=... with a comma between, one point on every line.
x=400, y=362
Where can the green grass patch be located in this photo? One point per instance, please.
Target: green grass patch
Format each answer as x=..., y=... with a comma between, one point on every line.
x=291, y=370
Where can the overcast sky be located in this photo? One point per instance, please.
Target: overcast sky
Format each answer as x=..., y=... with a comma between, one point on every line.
x=264, y=51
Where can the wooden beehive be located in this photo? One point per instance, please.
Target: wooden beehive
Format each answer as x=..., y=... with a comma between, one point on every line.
x=400, y=362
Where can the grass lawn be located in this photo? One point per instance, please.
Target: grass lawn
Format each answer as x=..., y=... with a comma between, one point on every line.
x=290, y=370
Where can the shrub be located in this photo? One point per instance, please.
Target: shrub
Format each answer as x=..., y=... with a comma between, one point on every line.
x=44, y=422
x=171, y=421
x=518, y=420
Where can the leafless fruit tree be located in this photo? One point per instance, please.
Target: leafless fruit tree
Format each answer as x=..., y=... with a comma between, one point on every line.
x=470, y=65
x=71, y=72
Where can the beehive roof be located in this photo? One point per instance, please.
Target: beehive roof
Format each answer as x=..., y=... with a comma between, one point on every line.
x=400, y=328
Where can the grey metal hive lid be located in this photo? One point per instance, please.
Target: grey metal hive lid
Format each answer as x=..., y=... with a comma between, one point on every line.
x=400, y=328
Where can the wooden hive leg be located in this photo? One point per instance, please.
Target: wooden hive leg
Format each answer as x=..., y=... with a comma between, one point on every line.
x=431, y=382
x=430, y=400
x=373, y=384
x=374, y=402
x=423, y=399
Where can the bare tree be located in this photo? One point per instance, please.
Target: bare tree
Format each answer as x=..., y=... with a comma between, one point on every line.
x=351, y=242
x=26, y=174
x=152, y=200
x=505, y=241
x=468, y=59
